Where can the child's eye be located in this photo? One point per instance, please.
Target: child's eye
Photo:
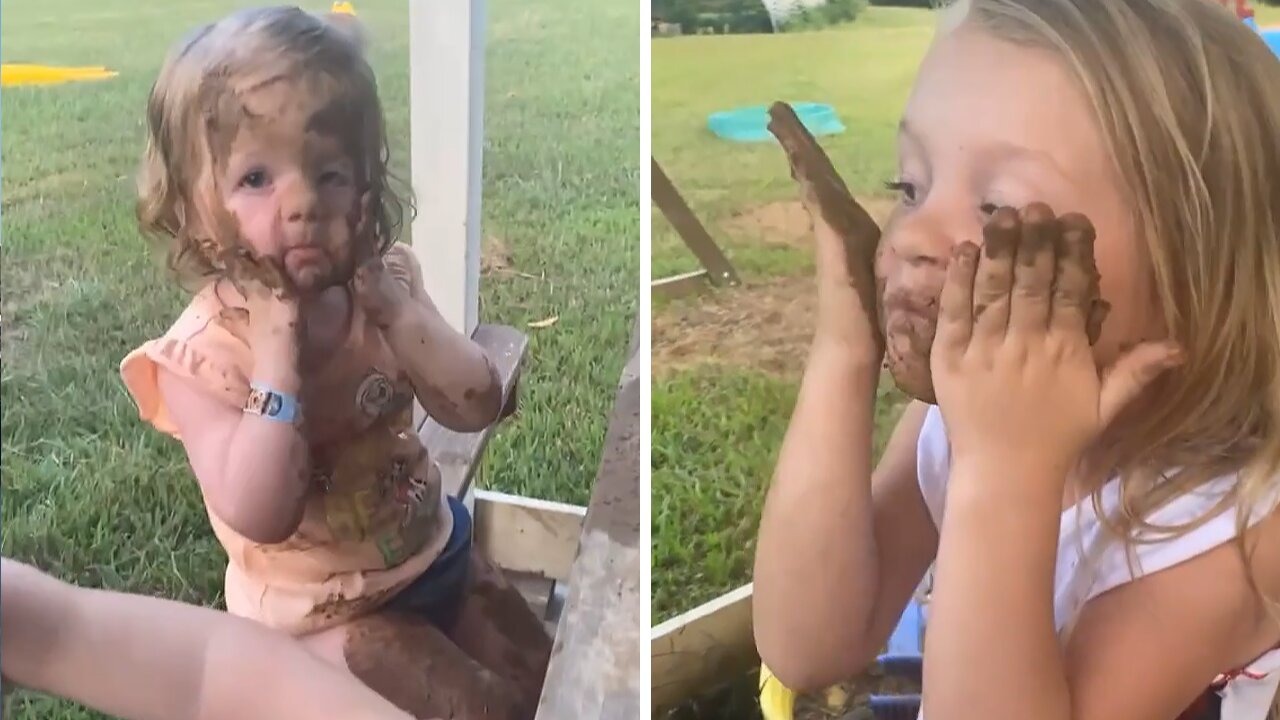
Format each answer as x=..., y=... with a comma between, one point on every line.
x=905, y=189
x=256, y=179
x=988, y=209
x=333, y=177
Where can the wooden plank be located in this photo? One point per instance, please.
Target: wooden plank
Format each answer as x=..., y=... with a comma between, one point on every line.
x=719, y=270
x=682, y=285
x=595, y=661
x=528, y=536
x=538, y=593
x=702, y=649
x=458, y=454
x=446, y=113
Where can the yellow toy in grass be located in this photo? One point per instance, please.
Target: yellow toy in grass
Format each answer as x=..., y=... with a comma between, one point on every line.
x=777, y=702
x=13, y=74
x=343, y=8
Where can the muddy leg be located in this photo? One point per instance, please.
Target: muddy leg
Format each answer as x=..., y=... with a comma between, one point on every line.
x=498, y=628
x=414, y=665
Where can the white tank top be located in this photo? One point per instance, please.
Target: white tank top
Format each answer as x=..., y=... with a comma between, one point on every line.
x=1247, y=695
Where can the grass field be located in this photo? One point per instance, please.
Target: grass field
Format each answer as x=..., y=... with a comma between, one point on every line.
x=94, y=496
x=1266, y=14
x=863, y=69
x=717, y=426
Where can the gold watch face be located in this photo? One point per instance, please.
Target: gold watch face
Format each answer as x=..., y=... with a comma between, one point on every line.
x=256, y=402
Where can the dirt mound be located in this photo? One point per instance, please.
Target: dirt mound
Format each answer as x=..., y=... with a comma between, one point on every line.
x=766, y=326
x=495, y=257
x=787, y=223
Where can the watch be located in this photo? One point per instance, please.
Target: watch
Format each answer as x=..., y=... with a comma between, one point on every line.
x=272, y=405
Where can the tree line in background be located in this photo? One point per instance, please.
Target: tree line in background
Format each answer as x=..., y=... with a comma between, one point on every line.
x=750, y=16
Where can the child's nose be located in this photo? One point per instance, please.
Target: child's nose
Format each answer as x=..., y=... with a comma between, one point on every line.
x=299, y=203
x=921, y=241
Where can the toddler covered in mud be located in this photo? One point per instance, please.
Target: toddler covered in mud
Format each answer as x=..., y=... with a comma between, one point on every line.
x=290, y=377
x=1092, y=462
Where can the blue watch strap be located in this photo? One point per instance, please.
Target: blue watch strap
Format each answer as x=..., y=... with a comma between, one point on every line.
x=272, y=404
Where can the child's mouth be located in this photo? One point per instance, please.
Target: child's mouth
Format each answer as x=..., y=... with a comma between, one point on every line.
x=303, y=256
x=909, y=320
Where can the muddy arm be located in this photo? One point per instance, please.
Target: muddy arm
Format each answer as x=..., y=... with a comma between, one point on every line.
x=459, y=453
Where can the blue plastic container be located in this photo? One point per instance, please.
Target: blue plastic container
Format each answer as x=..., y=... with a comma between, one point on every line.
x=1272, y=37
x=750, y=124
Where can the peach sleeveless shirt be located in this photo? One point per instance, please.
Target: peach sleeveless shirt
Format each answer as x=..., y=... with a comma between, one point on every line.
x=375, y=518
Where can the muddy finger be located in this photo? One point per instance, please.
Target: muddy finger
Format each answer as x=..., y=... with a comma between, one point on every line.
x=1033, y=270
x=994, y=279
x=1098, y=312
x=1076, y=280
x=955, y=305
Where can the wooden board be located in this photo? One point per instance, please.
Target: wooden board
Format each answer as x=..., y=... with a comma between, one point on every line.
x=703, y=648
x=458, y=454
x=719, y=270
x=595, y=662
x=528, y=536
x=540, y=594
x=533, y=542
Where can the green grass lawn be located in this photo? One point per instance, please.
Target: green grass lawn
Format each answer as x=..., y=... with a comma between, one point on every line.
x=863, y=69
x=1266, y=14
x=717, y=428
x=93, y=495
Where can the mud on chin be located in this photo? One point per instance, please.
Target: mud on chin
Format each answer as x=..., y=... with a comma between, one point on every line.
x=907, y=347
x=317, y=277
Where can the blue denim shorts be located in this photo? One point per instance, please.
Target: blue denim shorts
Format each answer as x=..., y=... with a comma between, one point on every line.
x=437, y=594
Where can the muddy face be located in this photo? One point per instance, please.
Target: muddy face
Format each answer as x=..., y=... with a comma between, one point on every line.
x=287, y=178
x=909, y=317
x=976, y=135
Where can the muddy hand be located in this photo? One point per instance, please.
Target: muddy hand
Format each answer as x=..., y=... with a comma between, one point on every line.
x=271, y=306
x=379, y=293
x=845, y=237
x=1016, y=323
x=255, y=275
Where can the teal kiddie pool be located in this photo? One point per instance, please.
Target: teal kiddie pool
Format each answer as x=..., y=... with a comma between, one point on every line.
x=750, y=124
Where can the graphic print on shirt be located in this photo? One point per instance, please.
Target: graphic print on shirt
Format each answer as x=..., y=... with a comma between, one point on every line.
x=381, y=486
x=378, y=397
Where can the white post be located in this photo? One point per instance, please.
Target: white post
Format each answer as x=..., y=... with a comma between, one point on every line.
x=446, y=113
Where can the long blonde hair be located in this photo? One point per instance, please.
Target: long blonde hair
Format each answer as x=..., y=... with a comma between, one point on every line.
x=189, y=99
x=1188, y=99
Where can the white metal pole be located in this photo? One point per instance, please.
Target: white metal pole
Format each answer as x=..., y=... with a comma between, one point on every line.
x=446, y=112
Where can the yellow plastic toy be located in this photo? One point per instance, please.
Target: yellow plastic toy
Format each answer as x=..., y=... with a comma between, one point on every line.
x=14, y=74
x=343, y=8
x=777, y=702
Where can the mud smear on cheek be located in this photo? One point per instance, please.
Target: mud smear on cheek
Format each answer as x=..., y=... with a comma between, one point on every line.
x=342, y=121
x=908, y=349
x=413, y=665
